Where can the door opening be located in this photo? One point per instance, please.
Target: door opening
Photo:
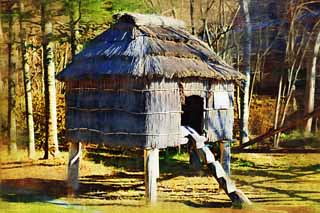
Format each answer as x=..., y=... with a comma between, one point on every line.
x=193, y=113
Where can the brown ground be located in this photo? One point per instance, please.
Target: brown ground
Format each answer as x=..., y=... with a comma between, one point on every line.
x=275, y=183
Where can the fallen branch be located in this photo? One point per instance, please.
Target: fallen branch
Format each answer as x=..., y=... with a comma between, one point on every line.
x=272, y=132
x=282, y=150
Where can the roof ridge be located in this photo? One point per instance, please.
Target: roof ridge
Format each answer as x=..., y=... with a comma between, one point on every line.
x=150, y=20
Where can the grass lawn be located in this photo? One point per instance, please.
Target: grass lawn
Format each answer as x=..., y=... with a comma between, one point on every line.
x=112, y=181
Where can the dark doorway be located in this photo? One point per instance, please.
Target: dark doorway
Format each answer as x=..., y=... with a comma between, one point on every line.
x=193, y=113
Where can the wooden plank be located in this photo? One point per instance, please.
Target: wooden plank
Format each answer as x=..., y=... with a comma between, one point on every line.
x=73, y=166
x=151, y=168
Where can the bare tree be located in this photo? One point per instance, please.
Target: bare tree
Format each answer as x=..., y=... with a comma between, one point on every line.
x=2, y=44
x=11, y=85
x=298, y=43
x=311, y=83
x=74, y=11
x=27, y=83
x=1, y=52
x=244, y=122
x=51, y=143
x=204, y=16
x=192, y=17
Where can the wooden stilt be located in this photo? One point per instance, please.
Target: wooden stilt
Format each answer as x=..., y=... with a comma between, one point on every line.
x=225, y=156
x=151, y=168
x=73, y=166
x=221, y=146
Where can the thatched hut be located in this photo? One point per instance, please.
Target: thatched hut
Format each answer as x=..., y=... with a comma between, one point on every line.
x=136, y=83
x=132, y=83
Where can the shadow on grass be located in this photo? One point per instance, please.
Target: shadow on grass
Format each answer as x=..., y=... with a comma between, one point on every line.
x=289, y=175
x=127, y=182
x=133, y=162
x=32, y=163
x=32, y=190
x=91, y=187
x=209, y=204
x=29, y=190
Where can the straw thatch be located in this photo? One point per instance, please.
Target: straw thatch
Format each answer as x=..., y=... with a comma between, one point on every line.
x=148, y=46
x=128, y=86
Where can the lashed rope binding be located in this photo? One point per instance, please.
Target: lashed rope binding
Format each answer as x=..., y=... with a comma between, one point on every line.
x=73, y=167
x=76, y=157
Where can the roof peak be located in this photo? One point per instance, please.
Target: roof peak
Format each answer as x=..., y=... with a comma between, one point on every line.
x=149, y=20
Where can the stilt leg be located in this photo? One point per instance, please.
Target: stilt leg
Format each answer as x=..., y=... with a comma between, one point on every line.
x=225, y=156
x=151, y=168
x=73, y=166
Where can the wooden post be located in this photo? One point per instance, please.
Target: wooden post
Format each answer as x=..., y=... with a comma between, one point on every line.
x=73, y=166
x=225, y=156
x=151, y=169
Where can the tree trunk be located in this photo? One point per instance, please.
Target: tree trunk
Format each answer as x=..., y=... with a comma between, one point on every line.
x=244, y=131
x=27, y=86
x=277, y=111
x=192, y=17
x=11, y=90
x=311, y=85
x=1, y=69
x=73, y=26
x=1, y=53
x=51, y=143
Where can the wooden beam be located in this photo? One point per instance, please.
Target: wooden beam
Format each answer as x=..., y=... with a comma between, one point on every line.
x=73, y=166
x=151, y=168
x=272, y=132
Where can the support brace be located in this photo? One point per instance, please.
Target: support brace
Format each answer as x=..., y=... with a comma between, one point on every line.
x=237, y=197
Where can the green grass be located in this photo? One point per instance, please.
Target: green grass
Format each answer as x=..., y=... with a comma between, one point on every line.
x=113, y=182
x=280, y=179
x=161, y=207
x=35, y=207
x=300, y=139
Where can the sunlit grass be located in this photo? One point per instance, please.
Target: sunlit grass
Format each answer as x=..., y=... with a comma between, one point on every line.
x=280, y=179
x=162, y=207
x=113, y=182
x=37, y=207
x=300, y=139
x=184, y=157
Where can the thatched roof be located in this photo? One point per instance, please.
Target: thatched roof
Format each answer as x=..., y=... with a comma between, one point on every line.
x=147, y=46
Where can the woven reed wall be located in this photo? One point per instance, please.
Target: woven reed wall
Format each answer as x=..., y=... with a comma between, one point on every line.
x=140, y=112
x=123, y=112
x=164, y=113
x=217, y=122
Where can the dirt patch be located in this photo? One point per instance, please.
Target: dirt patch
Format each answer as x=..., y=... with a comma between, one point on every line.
x=274, y=182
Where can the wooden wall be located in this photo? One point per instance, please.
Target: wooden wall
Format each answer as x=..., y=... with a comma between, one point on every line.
x=219, y=122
